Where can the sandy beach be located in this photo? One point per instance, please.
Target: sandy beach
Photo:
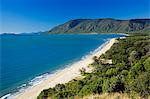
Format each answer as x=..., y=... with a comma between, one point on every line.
x=63, y=76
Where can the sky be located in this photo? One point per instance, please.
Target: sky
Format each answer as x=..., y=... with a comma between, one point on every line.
x=41, y=15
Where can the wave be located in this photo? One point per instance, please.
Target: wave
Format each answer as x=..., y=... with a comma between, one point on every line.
x=5, y=96
x=39, y=79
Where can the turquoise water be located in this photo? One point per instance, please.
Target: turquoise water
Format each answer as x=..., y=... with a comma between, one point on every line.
x=24, y=57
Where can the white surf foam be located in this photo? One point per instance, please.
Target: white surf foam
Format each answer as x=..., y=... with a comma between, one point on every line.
x=39, y=79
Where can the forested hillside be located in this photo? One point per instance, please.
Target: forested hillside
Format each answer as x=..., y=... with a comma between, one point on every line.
x=105, y=25
x=128, y=73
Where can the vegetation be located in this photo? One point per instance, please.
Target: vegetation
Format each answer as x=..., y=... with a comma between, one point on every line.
x=104, y=25
x=129, y=73
x=110, y=96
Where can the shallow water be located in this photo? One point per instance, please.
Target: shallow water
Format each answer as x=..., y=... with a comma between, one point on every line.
x=24, y=57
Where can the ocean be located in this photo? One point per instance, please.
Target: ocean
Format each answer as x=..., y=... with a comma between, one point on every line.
x=26, y=59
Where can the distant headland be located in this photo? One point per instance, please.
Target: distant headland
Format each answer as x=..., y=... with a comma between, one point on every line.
x=104, y=25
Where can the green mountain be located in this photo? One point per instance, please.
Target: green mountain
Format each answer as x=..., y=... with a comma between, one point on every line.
x=106, y=25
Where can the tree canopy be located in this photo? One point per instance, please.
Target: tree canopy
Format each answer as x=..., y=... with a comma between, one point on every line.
x=128, y=73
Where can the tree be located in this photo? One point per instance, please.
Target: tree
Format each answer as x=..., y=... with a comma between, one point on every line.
x=141, y=84
x=147, y=64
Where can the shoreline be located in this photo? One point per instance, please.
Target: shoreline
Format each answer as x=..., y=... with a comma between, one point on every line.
x=63, y=76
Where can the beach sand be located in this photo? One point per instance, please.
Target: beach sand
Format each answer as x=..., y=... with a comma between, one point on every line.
x=63, y=76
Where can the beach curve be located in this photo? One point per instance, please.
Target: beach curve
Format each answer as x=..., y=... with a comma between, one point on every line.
x=63, y=76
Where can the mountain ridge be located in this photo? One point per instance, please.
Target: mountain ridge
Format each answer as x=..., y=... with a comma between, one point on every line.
x=103, y=25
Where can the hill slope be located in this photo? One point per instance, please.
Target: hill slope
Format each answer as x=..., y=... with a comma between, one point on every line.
x=103, y=26
x=129, y=73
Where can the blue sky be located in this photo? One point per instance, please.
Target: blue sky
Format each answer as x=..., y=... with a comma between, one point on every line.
x=41, y=15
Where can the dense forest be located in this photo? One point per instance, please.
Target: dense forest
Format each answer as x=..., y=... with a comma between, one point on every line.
x=128, y=73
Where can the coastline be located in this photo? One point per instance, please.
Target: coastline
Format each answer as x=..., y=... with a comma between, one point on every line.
x=64, y=75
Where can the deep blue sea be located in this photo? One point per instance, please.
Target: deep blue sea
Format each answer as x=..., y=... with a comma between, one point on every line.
x=24, y=57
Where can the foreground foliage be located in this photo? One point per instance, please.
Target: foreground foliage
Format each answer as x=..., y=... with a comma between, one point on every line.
x=129, y=72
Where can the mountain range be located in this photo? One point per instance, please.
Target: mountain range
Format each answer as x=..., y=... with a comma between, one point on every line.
x=105, y=25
